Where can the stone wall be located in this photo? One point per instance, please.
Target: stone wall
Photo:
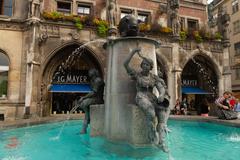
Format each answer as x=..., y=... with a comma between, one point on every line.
x=13, y=102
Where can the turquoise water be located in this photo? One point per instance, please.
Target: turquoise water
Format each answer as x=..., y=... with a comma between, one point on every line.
x=187, y=141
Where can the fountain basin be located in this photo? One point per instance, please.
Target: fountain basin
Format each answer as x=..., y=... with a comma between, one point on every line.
x=188, y=140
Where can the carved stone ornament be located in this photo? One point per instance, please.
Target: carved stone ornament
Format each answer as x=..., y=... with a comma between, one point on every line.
x=12, y=26
x=75, y=35
x=42, y=38
x=51, y=30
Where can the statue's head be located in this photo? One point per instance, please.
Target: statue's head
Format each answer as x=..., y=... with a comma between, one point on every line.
x=147, y=62
x=128, y=26
x=93, y=73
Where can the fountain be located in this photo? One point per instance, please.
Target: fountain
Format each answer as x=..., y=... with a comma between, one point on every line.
x=120, y=119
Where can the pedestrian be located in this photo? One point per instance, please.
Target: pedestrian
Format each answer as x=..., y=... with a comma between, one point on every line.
x=237, y=106
x=184, y=106
x=177, y=107
x=224, y=108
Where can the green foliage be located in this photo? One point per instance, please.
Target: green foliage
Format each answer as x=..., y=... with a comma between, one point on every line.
x=198, y=38
x=78, y=23
x=183, y=35
x=56, y=16
x=218, y=36
x=102, y=27
x=102, y=30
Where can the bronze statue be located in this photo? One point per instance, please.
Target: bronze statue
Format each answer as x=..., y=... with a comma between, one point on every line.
x=162, y=110
x=128, y=26
x=112, y=13
x=146, y=100
x=94, y=97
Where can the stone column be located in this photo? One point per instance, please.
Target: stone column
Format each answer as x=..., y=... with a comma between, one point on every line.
x=176, y=72
x=227, y=82
x=120, y=89
x=171, y=88
x=31, y=66
x=221, y=86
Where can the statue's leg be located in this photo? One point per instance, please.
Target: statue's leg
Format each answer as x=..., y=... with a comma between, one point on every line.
x=147, y=107
x=161, y=128
x=85, y=107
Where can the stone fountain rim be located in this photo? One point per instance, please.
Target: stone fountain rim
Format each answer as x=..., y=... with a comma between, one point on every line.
x=55, y=119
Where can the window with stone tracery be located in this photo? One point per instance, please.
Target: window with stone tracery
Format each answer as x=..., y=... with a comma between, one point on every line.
x=64, y=7
x=143, y=17
x=6, y=7
x=125, y=12
x=84, y=9
x=4, y=67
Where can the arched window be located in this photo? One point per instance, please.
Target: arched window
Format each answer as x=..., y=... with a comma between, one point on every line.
x=4, y=67
x=6, y=7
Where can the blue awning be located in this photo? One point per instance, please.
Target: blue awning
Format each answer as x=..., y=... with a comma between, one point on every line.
x=194, y=90
x=70, y=88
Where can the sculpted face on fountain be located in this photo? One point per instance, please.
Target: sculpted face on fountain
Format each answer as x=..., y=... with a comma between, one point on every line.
x=147, y=64
x=128, y=26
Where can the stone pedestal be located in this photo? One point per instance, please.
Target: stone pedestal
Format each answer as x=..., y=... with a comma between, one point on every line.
x=121, y=90
x=97, y=114
x=138, y=127
x=134, y=129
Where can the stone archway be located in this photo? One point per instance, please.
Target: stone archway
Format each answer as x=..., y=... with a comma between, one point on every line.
x=88, y=59
x=200, y=79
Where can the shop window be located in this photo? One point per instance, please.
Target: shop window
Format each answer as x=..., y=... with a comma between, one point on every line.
x=64, y=7
x=4, y=67
x=237, y=48
x=84, y=9
x=236, y=26
x=125, y=12
x=143, y=17
x=238, y=74
x=192, y=25
x=234, y=6
x=6, y=7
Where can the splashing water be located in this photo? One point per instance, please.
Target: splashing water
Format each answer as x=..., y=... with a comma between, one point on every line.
x=77, y=53
x=70, y=61
x=234, y=138
x=14, y=158
x=170, y=157
x=206, y=76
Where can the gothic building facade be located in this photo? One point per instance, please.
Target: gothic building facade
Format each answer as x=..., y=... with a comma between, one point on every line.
x=38, y=37
x=230, y=7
